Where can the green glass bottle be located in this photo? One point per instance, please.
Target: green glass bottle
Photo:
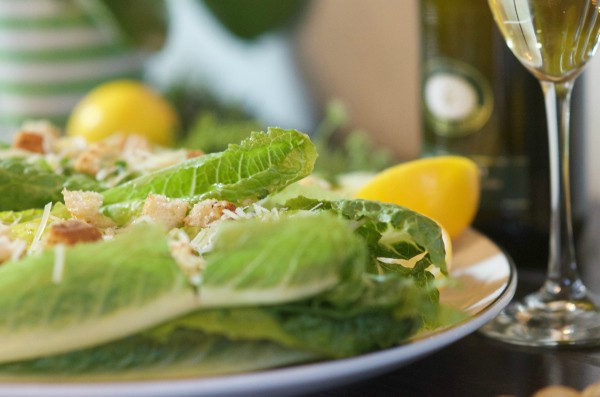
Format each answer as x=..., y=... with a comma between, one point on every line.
x=479, y=101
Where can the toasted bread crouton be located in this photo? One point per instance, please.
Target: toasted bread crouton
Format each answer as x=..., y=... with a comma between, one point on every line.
x=73, y=231
x=11, y=249
x=42, y=127
x=37, y=137
x=169, y=212
x=191, y=153
x=29, y=141
x=207, y=211
x=106, y=152
x=132, y=142
x=5, y=249
x=90, y=161
x=85, y=206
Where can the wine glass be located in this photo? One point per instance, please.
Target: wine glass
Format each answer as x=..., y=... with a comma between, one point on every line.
x=553, y=39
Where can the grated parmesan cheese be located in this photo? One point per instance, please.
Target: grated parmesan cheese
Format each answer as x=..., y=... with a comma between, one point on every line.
x=247, y=213
x=59, y=263
x=316, y=207
x=203, y=241
x=229, y=214
x=40, y=231
x=188, y=261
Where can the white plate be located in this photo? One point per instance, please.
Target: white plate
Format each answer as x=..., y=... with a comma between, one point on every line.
x=486, y=283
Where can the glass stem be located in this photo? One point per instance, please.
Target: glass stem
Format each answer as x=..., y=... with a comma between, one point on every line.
x=563, y=281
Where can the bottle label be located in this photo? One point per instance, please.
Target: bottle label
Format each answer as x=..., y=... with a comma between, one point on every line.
x=457, y=98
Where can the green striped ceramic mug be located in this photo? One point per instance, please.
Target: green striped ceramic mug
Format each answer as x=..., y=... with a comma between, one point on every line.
x=51, y=53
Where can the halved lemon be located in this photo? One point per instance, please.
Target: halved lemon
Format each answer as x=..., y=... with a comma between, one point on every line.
x=445, y=188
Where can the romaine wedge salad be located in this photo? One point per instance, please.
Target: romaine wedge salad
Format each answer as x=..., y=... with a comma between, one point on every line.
x=120, y=260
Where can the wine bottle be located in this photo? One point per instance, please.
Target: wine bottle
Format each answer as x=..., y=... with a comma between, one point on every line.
x=480, y=102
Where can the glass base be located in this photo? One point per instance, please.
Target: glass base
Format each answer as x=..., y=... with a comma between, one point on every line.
x=535, y=321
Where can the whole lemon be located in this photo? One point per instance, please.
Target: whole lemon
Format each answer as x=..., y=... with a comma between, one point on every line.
x=445, y=188
x=126, y=107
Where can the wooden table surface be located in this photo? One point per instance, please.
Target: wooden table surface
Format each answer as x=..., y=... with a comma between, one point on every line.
x=476, y=366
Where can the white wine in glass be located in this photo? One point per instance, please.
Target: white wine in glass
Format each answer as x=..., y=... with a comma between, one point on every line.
x=553, y=39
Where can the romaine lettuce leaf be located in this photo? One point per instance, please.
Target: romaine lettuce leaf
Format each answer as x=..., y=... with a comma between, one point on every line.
x=379, y=312
x=183, y=353
x=14, y=217
x=24, y=224
x=108, y=290
x=219, y=341
x=26, y=184
x=101, y=291
x=399, y=240
x=281, y=259
x=262, y=164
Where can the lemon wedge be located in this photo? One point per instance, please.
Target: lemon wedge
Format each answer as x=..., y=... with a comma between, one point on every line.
x=445, y=188
x=125, y=107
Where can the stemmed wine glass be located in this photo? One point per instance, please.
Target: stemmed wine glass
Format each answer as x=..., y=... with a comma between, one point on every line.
x=553, y=39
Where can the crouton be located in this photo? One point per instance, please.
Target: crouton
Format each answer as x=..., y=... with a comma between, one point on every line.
x=29, y=141
x=11, y=249
x=5, y=249
x=42, y=127
x=191, y=153
x=85, y=206
x=133, y=142
x=36, y=137
x=90, y=161
x=169, y=212
x=73, y=231
x=207, y=211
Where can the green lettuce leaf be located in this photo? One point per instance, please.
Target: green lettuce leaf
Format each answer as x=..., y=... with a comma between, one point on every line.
x=261, y=260
x=233, y=340
x=103, y=291
x=260, y=165
x=183, y=353
x=26, y=184
x=412, y=242
x=377, y=313
x=109, y=290
x=24, y=224
x=14, y=217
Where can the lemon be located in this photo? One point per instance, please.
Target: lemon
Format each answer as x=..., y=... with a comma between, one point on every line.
x=126, y=107
x=447, y=240
x=444, y=188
